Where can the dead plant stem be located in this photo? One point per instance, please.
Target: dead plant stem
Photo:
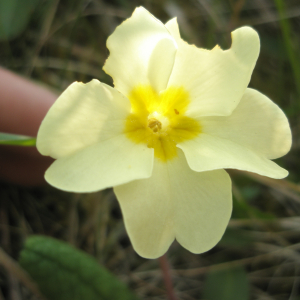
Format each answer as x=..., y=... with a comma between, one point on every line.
x=165, y=268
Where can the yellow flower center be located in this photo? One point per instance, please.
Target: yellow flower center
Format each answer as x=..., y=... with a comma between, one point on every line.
x=159, y=120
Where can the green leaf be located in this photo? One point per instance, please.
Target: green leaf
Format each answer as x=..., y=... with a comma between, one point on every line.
x=65, y=273
x=227, y=284
x=237, y=238
x=14, y=16
x=242, y=210
x=17, y=140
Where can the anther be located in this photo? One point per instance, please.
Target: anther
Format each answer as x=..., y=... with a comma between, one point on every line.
x=154, y=124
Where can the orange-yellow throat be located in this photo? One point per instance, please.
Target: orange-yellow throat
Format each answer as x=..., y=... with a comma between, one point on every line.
x=158, y=120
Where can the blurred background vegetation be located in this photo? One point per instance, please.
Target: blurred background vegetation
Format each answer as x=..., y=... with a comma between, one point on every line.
x=56, y=42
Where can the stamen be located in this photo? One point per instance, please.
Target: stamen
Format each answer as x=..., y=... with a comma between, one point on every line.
x=154, y=124
x=159, y=121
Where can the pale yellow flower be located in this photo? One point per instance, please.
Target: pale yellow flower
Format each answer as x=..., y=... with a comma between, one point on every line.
x=176, y=117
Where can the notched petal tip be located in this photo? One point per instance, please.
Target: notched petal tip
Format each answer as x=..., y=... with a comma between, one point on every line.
x=172, y=21
x=150, y=252
x=173, y=28
x=84, y=114
x=246, y=30
x=131, y=46
x=240, y=38
x=139, y=12
x=212, y=91
x=246, y=41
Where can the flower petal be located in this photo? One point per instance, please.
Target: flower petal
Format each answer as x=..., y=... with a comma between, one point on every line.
x=148, y=212
x=176, y=202
x=83, y=115
x=216, y=79
x=203, y=206
x=173, y=28
x=105, y=164
x=257, y=124
x=208, y=152
x=142, y=51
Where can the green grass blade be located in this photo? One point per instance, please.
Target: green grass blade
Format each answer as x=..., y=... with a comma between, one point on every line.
x=227, y=284
x=288, y=41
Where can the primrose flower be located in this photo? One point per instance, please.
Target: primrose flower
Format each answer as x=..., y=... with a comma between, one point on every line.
x=162, y=137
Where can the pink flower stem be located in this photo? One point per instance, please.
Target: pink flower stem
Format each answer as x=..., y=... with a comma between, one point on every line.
x=165, y=268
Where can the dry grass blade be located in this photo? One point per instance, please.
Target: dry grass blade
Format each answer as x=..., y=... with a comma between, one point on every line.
x=14, y=269
x=283, y=186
